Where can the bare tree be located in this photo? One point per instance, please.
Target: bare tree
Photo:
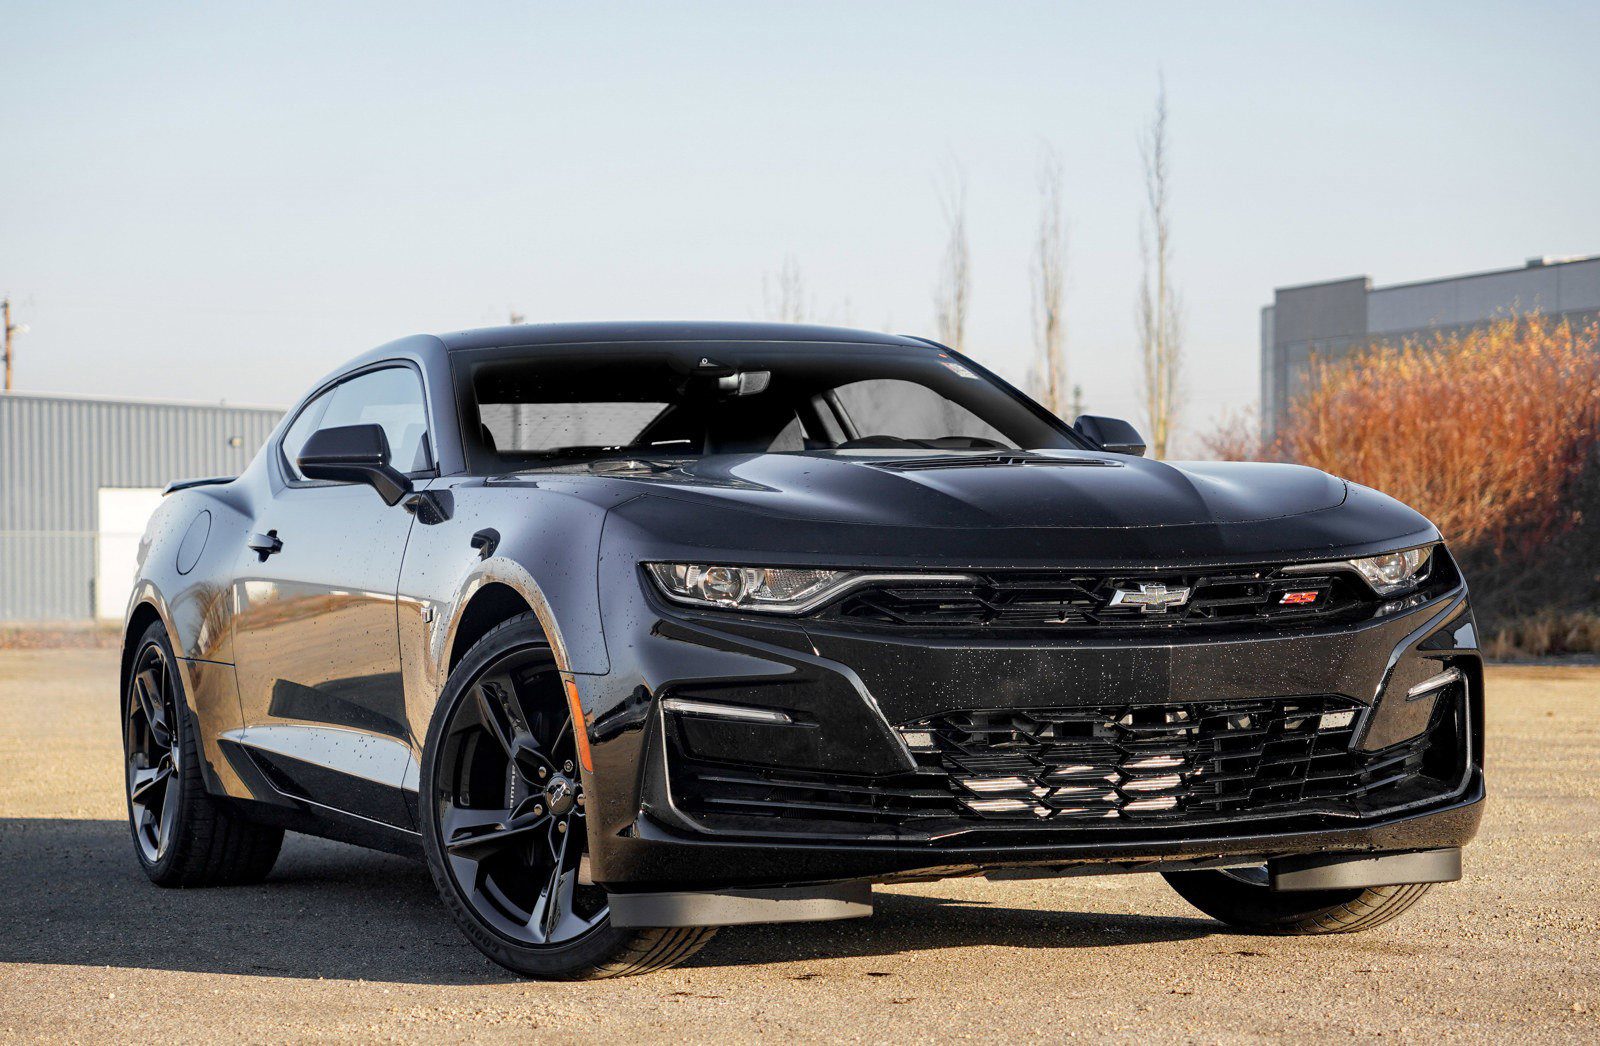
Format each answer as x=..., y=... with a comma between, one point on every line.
x=1050, y=287
x=785, y=293
x=954, y=288
x=1160, y=315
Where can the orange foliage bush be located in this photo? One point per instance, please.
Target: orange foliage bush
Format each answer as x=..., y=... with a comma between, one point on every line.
x=1484, y=431
x=1235, y=437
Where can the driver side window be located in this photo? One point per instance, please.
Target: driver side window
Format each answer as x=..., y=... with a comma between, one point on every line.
x=391, y=397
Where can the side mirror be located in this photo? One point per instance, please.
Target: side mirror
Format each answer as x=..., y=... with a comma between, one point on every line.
x=354, y=454
x=1112, y=434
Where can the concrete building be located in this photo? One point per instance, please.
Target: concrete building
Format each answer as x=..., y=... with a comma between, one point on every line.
x=1338, y=317
x=79, y=478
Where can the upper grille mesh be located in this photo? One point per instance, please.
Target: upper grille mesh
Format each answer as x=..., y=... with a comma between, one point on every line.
x=1082, y=600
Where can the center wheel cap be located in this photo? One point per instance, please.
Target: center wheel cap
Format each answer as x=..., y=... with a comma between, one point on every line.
x=560, y=796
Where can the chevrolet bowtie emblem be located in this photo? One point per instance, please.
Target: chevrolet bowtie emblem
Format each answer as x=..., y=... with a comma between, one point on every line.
x=1153, y=598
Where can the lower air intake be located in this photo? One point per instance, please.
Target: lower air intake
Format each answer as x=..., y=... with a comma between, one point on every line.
x=1156, y=762
x=1212, y=763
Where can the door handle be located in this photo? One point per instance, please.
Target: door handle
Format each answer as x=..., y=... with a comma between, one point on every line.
x=266, y=544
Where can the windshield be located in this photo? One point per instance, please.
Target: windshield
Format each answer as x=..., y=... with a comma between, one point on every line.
x=528, y=408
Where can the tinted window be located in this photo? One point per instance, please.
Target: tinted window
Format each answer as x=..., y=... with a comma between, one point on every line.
x=301, y=430
x=391, y=397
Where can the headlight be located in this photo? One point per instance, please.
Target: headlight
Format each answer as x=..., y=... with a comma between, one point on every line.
x=773, y=590
x=1394, y=571
x=752, y=588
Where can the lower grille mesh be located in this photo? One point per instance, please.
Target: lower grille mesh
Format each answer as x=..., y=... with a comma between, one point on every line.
x=1107, y=766
x=1153, y=762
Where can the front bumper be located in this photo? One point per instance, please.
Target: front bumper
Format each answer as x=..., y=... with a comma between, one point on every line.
x=848, y=688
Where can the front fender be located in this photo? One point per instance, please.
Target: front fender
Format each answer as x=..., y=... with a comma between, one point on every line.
x=547, y=550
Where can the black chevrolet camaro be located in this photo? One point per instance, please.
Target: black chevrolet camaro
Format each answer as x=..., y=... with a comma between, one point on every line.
x=637, y=630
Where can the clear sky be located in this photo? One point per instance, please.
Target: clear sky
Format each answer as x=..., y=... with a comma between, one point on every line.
x=225, y=201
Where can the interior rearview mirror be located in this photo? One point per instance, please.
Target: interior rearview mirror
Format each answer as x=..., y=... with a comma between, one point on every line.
x=1112, y=434
x=745, y=382
x=354, y=454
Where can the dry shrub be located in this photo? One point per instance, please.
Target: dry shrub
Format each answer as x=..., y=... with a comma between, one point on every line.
x=1485, y=431
x=1236, y=437
x=1546, y=634
x=1494, y=434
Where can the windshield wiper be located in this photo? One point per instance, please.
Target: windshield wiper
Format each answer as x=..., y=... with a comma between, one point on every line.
x=559, y=457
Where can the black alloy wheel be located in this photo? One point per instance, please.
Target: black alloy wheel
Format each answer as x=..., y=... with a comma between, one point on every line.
x=182, y=834
x=510, y=805
x=154, y=756
x=504, y=821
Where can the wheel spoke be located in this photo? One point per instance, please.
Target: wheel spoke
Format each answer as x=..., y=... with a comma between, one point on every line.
x=530, y=760
x=475, y=834
x=561, y=734
x=150, y=688
x=497, y=707
x=462, y=822
x=554, y=906
x=147, y=779
x=169, y=811
x=147, y=690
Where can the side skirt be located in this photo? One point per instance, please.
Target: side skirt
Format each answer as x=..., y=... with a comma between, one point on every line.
x=289, y=791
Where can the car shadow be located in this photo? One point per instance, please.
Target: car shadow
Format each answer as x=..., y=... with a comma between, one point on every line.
x=73, y=895
x=912, y=922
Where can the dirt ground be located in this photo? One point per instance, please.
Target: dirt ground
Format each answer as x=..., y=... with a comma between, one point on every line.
x=349, y=945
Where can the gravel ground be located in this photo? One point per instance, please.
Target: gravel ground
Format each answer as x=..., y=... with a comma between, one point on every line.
x=345, y=944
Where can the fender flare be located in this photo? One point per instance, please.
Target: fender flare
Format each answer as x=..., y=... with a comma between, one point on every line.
x=502, y=571
x=147, y=593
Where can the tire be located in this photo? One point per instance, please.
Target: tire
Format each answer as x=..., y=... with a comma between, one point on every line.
x=508, y=872
x=1242, y=900
x=182, y=835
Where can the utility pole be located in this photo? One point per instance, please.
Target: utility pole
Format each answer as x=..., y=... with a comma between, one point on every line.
x=10, y=328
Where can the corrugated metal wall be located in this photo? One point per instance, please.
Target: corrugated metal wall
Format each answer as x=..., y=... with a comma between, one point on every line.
x=56, y=452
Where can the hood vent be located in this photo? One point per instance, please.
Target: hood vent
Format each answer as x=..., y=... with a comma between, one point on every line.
x=973, y=461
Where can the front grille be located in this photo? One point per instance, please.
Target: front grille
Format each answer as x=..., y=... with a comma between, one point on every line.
x=1110, y=766
x=1087, y=601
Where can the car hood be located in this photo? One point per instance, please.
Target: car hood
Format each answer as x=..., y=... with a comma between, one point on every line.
x=1021, y=490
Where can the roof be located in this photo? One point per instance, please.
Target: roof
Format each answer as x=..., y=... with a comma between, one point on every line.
x=425, y=348
x=533, y=334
